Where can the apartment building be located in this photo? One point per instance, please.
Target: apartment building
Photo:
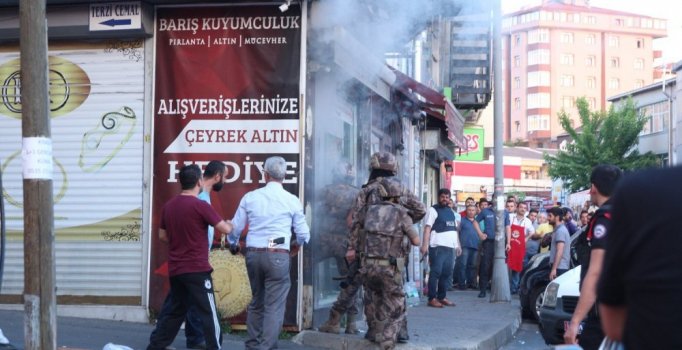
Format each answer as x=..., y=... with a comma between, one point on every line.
x=559, y=51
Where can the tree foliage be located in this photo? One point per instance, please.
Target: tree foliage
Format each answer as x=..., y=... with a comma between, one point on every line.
x=605, y=138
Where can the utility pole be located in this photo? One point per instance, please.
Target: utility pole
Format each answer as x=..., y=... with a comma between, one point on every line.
x=36, y=151
x=500, y=287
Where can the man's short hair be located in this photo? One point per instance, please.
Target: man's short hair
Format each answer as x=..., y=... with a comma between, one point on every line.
x=276, y=167
x=557, y=211
x=522, y=203
x=470, y=198
x=470, y=206
x=214, y=168
x=483, y=200
x=533, y=211
x=605, y=177
x=189, y=176
x=444, y=191
x=584, y=212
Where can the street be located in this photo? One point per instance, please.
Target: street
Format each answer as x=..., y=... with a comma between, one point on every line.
x=94, y=334
x=526, y=338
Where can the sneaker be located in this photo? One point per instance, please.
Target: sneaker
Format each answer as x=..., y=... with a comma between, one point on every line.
x=435, y=303
x=481, y=295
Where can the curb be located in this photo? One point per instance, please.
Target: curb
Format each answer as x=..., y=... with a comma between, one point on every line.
x=321, y=340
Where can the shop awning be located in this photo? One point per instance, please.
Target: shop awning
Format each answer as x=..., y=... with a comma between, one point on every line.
x=434, y=104
x=354, y=58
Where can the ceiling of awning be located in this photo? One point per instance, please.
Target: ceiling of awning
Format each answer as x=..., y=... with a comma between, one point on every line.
x=434, y=104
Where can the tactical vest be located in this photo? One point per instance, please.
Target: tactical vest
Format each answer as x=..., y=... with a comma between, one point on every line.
x=446, y=220
x=384, y=235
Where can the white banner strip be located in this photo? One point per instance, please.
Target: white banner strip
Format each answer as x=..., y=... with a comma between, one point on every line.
x=238, y=136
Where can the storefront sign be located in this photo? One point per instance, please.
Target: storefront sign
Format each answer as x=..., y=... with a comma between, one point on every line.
x=475, y=145
x=226, y=88
x=115, y=16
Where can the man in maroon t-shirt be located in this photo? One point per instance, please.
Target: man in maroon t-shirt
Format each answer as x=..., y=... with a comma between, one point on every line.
x=184, y=221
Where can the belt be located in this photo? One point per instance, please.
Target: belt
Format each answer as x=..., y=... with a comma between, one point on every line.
x=268, y=250
x=489, y=240
x=378, y=261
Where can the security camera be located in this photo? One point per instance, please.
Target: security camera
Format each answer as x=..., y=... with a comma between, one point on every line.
x=285, y=6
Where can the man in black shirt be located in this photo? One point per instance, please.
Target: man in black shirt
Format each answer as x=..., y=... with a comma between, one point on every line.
x=639, y=292
x=590, y=247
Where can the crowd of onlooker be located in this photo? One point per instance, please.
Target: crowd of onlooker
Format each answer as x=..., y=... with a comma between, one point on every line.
x=537, y=225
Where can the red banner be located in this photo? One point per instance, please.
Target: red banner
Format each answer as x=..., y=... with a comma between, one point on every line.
x=226, y=88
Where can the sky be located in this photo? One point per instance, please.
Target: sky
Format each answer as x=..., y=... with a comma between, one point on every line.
x=665, y=9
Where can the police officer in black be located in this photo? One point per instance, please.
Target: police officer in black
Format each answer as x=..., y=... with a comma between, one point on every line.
x=591, y=248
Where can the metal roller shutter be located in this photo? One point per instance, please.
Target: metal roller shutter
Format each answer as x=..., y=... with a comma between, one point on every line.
x=96, y=99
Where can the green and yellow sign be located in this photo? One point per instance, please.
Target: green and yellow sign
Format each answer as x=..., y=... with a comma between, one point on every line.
x=475, y=145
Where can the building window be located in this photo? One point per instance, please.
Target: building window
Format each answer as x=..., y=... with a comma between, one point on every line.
x=517, y=61
x=591, y=20
x=567, y=59
x=614, y=83
x=619, y=22
x=567, y=38
x=592, y=102
x=517, y=103
x=639, y=83
x=658, y=114
x=538, y=36
x=538, y=122
x=539, y=78
x=614, y=41
x=517, y=40
x=590, y=39
x=538, y=100
x=647, y=23
x=517, y=82
x=639, y=64
x=640, y=43
x=590, y=61
x=567, y=101
x=615, y=62
x=591, y=82
x=538, y=57
x=566, y=80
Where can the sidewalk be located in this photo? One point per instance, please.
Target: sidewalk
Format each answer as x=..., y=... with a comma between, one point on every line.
x=473, y=324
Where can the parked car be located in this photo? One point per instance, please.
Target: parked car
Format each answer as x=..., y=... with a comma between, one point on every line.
x=559, y=302
x=535, y=278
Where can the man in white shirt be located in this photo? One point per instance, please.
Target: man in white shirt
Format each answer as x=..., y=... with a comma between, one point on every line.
x=441, y=242
x=271, y=212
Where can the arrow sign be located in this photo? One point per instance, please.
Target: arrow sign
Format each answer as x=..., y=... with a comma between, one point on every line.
x=108, y=16
x=116, y=22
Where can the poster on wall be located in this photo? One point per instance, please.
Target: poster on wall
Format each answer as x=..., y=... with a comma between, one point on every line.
x=96, y=111
x=226, y=88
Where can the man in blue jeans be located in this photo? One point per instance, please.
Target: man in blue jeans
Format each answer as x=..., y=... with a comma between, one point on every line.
x=470, y=236
x=487, y=215
x=441, y=242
